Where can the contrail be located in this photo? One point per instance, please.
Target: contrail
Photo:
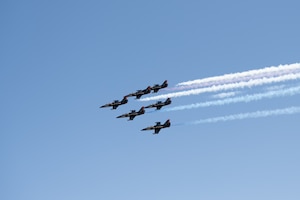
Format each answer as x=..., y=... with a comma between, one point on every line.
x=247, y=98
x=242, y=76
x=229, y=86
x=257, y=114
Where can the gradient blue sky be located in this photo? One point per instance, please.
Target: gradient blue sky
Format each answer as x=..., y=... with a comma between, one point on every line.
x=61, y=60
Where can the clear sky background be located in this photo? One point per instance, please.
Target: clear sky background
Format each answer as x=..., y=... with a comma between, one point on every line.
x=61, y=60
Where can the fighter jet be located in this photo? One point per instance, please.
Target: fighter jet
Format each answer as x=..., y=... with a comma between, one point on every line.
x=133, y=114
x=140, y=93
x=157, y=87
x=160, y=104
x=116, y=103
x=158, y=126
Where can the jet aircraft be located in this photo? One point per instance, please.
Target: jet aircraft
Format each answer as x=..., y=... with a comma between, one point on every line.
x=140, y=93
x=158, y=126
x=116, y=103
x=157, y=87
x=160, y=104
x=133, y=114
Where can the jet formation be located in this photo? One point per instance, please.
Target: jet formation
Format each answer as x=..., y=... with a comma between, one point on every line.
x=133, y=113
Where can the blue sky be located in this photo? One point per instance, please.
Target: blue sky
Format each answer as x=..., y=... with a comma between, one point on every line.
x=61, y=60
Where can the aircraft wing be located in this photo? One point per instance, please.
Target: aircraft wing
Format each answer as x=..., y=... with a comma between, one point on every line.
x=156, y=89
x=115, y=106
x=156, y=130
x=138, y=96
x=131, y=117
x=158, y=107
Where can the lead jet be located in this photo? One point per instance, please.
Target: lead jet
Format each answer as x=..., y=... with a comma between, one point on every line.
x=140, y=93
x=133, y=114
x=157, y=87
x=116, y=103
x=158, y=126
x=160, y=104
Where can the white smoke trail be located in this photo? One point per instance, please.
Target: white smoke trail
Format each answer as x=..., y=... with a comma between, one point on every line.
x=250, y=83
x=247, y=98
x=257, y=114
x=242, y=76
x=224, y=95
x=275, y=87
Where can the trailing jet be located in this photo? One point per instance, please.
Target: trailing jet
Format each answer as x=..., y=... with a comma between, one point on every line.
x=133, y=114
x=157, y=87
x=116, y=103
x=160, y=104
x=140, y=93
x=158, y=126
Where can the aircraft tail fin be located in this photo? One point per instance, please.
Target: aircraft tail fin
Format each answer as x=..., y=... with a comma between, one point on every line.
x=124, y=100
x=142, y=110
x=167, y=123
x=165, y=83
